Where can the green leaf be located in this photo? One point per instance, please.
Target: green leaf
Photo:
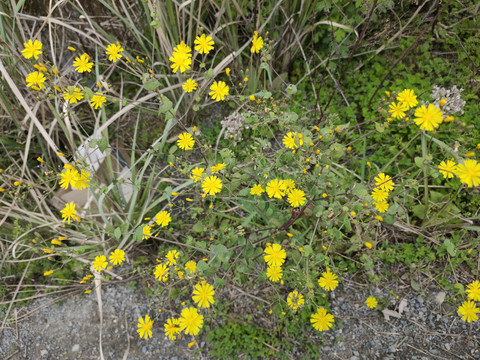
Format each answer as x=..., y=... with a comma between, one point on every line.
x=291, y=89
x=88, y=93
x=165, y=106
x=221, y=251
x=415, y=285
x=307, y=250
x=117, y=233
x=209, y=74
x=379, y=127
x=419, y=211
x=450, y=247
x=156, y=24
x=151, y=84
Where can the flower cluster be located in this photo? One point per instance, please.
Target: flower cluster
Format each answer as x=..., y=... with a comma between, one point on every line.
x=468, y=172
x=380, y=193
x=117, y=257
x=275, y=257
x=469, y=310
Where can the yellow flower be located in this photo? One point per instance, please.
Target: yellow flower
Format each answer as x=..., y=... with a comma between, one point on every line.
x=448, y=119
x=172, y=257
x=473, y=290
x=371, y=302
x=81, y=180
x=296, y=197
x=257, y=43
x=447, y=169
x=98, y=100
x=203, y=294
x=35, y=80
x=211, y=185
x=72, y=95
x=383, y=182
x=381, y=206
x=197, y=174
x=191, y=321
x=379, y=218
x=275, y=255
x=82, y=63
x=117, y=257
x=204, y=44
x=172, y=328
x=469, y=173
x=48, y=251
x=145, y=327
x=295, y=300
x=100, y=263
x=190, y=85
x=379, y=194
x=443, y=102
x=328, y=280
x=185, y=141
x=227, y=71
x=161, y=272
x=49, y=272
x=256, y=190
x=397, y=110
x=276, y=188
x=290, y=140
x=191, y=266
x=274, y=273
x=428, y=118
x=67, y=177
x=32, y=49
x=469, y=311
x=181, y=58
x=353, y=213
x=68, y=212
x=56, y=242
x=321, y=320
x=252, y=97
x=407, y=98
x=113, y=51
x=368, y=245
x=219, y=90
x=217, y=168
x=163, y=218
x=147, y=232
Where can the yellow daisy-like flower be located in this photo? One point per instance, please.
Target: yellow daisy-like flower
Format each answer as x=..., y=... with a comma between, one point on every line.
x=219, y=90
x=469, y=173
x=289, y=184
x=473, y=290
x=81, y=180
x=295, y=300
x=83, y=63
x=185, y=141
x=468, y=310
x=172, y=328
x=275, y=255
x=371, y=302
x=296, y=197
x=191, y=321
x=381, y=206
x=161, y=272
x=98, y=100
x=257, y=43
x=183, y=48
x=383, y=182
x=211, y=185
x=397, y=110
x=428, y=118
x=163, y=218
x=276, y=188
x=32, y=49
x=197, y=174
x=328, y=280
x=203, y=294
x=172, y=257
x=218, y=167
x=379, y=194
x=447, y=169
x=117, y=257
x=291, y=139
x=113, y=51
x=189, y=86
x=73, y=95
x=49, y=272
x=274, y=273
x=321, y=320
x=147, y=232
x=181, y=58
x=35, y=80
x=68, y=212
x=67, y=177
x=204, y=44
x=407, y=98
x=191, y=266
x=100, y=263
x=256, y=190
x=145, y=327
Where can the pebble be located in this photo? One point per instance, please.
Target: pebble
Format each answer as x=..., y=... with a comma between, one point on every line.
x=43, y=353
x=76, y=348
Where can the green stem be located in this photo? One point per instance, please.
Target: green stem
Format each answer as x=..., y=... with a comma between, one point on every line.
x=425, y=179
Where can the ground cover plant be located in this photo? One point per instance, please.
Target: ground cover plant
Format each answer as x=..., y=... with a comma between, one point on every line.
x=272, y=148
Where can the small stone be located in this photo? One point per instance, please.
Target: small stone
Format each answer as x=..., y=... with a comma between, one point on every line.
x=356, y=353
x=448, y=346
x=76, y=348
x=43, y=353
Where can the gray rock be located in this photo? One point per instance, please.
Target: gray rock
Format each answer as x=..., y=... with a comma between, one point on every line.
x=76, y=348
